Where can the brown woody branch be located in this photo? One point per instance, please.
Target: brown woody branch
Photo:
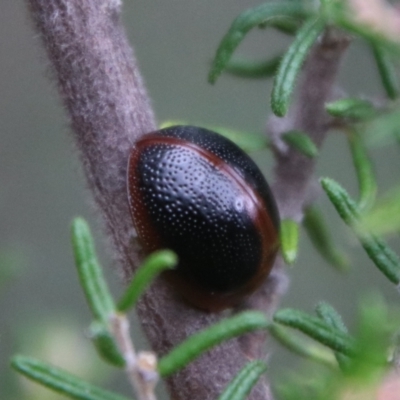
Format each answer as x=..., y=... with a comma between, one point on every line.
x=109, y=109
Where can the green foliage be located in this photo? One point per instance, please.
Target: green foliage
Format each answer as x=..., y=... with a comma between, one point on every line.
x=301, y=346
x=332, y=318
x=365, y=174
x=376, y=248
x=90, y=273
x=363, y=371
x=351, y=108
x=289, y=239
x=301, y=142
x=60, y=380
x=354, y=360
x=291, y=64
x=253, y=69
x=244, y=381
x=317, y=329
x=264, y=14
x=105, y=344
x=197, y=344
x=153, y=265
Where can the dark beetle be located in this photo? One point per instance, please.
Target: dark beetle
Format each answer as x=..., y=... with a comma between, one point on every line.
x=198, y=194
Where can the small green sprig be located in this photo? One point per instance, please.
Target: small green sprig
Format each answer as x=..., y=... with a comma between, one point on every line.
x=353, y=109
x=289, y=239
x=97, y=293
x=377, y=249
x=105, y=344
x=364, y=369
x=316, y=329
x=244, y=381
x=263, y=14
x=365, y=173
x=301, y=346
x=291, y=64
x=90, y=273
x=153, y=266
x=197, y=344
x=60, y=381
x=301, y=142
x=331, y=317
x=253, y=69
x=110, y=331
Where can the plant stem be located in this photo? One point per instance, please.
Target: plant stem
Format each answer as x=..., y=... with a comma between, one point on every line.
x=104, y=95
x=294, y=186
x=141, y=369
x=293, y=171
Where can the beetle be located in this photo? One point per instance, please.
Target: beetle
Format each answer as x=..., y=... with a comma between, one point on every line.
x=197, y=193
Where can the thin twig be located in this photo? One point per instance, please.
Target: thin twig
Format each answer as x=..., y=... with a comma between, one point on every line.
x=141, y=368
x=293, y=171
x=294, y=186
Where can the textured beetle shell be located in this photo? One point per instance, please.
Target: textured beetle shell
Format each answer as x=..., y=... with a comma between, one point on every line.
x=197, y=193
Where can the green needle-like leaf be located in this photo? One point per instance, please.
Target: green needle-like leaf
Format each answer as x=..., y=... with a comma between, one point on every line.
x=344, y=204
x=302, y=347
x=386, y=71
x=351, y=108
x=105, y=344
x=320, y=236
x=244, y=23
x=287, y=25
x=365, y=174
x=383, y=256
x=301, y=142
x=291, y=64
x=197, y=344
x=379, y=252
x=332, y=318
x=317, y=329
x=60, y=381
x=289, y=238
x=90, y=273
x=153, y=265
x=253, y=69
x=244, y=381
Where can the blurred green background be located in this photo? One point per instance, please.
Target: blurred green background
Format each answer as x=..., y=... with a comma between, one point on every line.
x=42, y=309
